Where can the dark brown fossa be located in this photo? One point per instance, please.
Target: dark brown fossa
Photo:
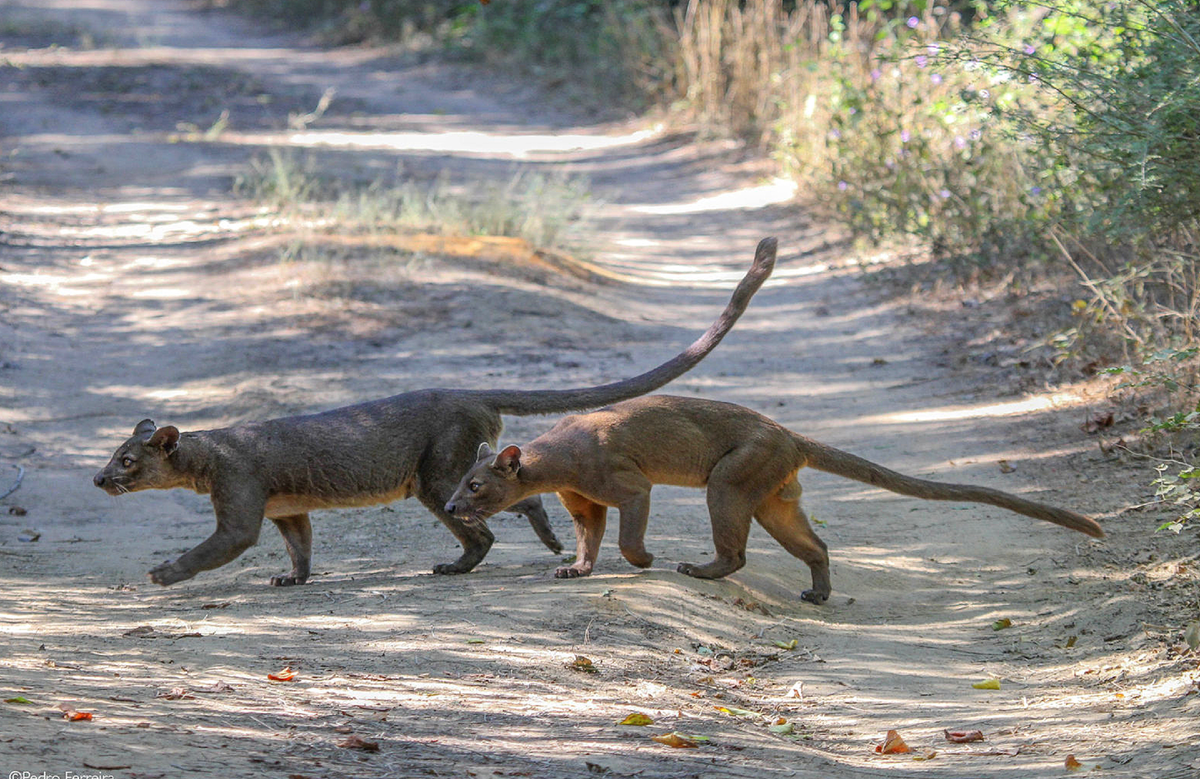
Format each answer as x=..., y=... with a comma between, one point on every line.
x=415, y=444
x=749, y=463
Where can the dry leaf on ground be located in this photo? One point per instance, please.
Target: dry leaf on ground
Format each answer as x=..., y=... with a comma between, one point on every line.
x=892, y=745
x=676, y=740
x=637, y=718
x=286, y=675
x=963, y=736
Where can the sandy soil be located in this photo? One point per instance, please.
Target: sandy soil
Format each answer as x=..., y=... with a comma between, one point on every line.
x=133, y=284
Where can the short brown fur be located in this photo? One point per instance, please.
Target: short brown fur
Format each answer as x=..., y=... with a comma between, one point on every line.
x=749, y=463
x=407, y=445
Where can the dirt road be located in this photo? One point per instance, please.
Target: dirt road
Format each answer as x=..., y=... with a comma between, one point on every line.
x=134, y=284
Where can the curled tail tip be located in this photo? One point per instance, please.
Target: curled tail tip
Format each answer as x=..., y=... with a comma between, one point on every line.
x=764, y=255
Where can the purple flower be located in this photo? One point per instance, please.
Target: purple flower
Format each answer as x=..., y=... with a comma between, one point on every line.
x=935, y=78
x=1035, y=191
x=853, y=111
x=1030, y=49
x=976, y=135
x=960, y=142
x=875, y=74
x=834, y=134
x=904, y=136
x=921, y=60
x=913, y=22
x=843, y=186
x=944, y=193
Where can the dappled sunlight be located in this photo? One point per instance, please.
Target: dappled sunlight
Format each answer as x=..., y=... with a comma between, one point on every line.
x=1007, y=408
x=778, y=190
x=459, y=142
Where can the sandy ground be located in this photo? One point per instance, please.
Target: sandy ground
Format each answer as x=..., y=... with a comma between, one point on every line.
x=133, y=284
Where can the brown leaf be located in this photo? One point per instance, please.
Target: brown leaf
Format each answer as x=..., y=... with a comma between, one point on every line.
x=1005, y=467
x=141, y=631
x=963, y=736
x=892, y=745
x=286, y=675
x=676, y=740
x=1072, y=764
x=71, y=715
x=218, y=686
x=215, y=605
x=354, y=742
x=584, y=664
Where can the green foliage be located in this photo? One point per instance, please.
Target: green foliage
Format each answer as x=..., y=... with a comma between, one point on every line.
x=615, y=48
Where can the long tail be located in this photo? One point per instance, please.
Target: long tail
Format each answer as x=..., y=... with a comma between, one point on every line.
x=826, y=458
x=526, y=402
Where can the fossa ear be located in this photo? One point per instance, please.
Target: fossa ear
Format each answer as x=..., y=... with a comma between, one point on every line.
x=508, y=462
x=484, y=452
x=165, y=438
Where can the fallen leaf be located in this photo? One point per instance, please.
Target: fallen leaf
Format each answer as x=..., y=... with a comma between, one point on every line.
x=103, y=767
x=475, y=641
x=584, y=664
x=783, y=729
x=736, y=712
x=928, y=755
x=1005, y=467
x=1070, y=642
x=141, y=631
x=18, y=699
x=751, y=605
x=175, y=694
x=789, y=645
x=28, y=535
x=17, y=511
x=987, y=684
x=676, y=740
x=637, y=718
x=343, y=729
x=796, y=691
x=286, y=675
x=215, y=605
x=1001, y=624
x=1072, y=764
x=71, y=715
x=218, y=686
x=354, y=742
x=963, y=736
x=892, y=745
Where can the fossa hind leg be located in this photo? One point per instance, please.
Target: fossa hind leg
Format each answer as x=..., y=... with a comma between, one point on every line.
x=781, y=515
x=297, y=537
x=731, y=501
